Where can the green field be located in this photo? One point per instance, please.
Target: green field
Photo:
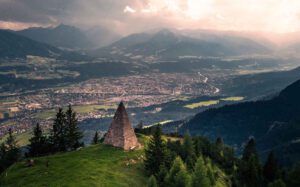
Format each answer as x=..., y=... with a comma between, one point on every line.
x=202, y=104
x=212, y=102
x=81, y=109
x=97, y=165
x=164, y=122
x=22, y=139
x=183, y=98
x=92, y=108
x=233, y=99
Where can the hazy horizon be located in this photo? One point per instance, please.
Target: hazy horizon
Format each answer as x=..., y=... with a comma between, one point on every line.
x=130, y=16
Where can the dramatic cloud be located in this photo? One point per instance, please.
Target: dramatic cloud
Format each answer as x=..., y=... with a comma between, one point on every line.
x=128, y=16
x=129, y=9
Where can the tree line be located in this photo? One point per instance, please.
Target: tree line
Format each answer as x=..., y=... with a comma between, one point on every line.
x=9, y=151
x=64, y=135
x=194, y=162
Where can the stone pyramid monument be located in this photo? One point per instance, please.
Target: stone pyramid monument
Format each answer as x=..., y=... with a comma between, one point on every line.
x=120, y=133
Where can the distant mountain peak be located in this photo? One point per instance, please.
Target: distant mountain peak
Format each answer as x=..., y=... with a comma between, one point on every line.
x=165, y=32
x=64, y=27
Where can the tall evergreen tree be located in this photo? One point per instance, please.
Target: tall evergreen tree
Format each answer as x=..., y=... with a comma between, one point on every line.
x=160, y=177
x=38, y=143
x=9, y=151
x=155, y=152
x=140, y=126
x=210, y=172
x=218, y=151
x=96, y=138
x=219, y=147
x=271, y=169
x=277, y=183
x=178, y=175
x=152, y=182
x=293, y=179
x=58, y=134
x=73, y=133
x=219, y=142
x=254, y=172
x=250, y=171
x=3, y=162
x=200, y=175
x=13, y=151
x=250, y=149
x=11, y=141
x=188, y=155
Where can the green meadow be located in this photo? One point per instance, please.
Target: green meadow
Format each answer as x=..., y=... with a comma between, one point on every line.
x=96, y=165
x=212, y=102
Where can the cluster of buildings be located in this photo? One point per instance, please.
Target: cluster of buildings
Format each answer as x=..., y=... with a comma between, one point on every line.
x=21, y=112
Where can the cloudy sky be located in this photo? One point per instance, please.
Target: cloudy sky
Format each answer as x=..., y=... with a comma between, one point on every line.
x=127, y=16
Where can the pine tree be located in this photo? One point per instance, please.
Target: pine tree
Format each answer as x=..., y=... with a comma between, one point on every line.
x=73, y=133
x=178, y=175
x=3, y=162
x=293, y=179
x=210, y=173
x=11, y=141
x=152, y=182
x=140, y=126
x=211, y=176
x=13, y=152
x=249, y=150
x=277, y=183
x=219, y=142
x=161, y=175
x=200, y=175
x=271, y=169
x=155, y=153
x=219, y=149
x=250, y=171
x=9, y=151
x=188, y=155
x=96, y=138
x=58, y=134
x=38, y=143
x=255, y=174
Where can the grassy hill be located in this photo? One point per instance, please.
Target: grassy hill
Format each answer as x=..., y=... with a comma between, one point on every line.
x=97, y=165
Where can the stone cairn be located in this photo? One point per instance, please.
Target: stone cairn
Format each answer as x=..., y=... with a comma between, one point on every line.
x=121, y=133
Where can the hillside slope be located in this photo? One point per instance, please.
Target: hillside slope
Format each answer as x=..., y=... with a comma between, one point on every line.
x=262, y=84
x=97, y=165
x=13, y=45
x=61, y=36
x=265, y=120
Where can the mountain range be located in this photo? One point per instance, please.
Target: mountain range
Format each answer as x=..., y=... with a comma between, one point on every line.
x=166, y=44
x=14, y=45
x=63, y=36
x=70, y=37
x=160, y=44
